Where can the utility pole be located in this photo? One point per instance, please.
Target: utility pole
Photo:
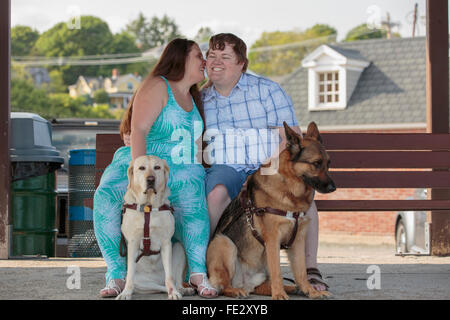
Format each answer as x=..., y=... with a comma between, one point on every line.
x=387, y=24
x=414, y=20
x=5, y=165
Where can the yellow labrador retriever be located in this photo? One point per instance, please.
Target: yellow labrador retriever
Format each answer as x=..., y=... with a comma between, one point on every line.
x=148, y=191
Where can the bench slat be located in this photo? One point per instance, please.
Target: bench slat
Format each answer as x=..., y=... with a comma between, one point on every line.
x=386, y=141
x=106, y=146
x=389, y=159
x=391, y=179
x=382, y=205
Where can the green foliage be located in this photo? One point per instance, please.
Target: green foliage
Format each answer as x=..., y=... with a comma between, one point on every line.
x=118, y=113
x=56, y=82
x=101, y=97
x=23, y=39
x=92, y=38
x=26, y=98
x=203, y=35
x=289, y=48
x=153, y=33
x=362, y=32
x=124, y=42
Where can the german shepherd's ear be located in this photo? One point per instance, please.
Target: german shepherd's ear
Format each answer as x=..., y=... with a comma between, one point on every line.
x=313, y=132
x=293, y=142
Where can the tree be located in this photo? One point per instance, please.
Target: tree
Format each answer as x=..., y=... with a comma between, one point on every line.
x=23, y=39
x=362, y=32
x=124, y=42
x=153, y=33
x=279, y=53
x=203, y=35
x=56, y=84
x=101, y=97
x=92, y=38
x=27, y=98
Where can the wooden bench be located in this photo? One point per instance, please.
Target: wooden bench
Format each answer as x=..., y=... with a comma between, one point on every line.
x=372, y=161
x=369, y=155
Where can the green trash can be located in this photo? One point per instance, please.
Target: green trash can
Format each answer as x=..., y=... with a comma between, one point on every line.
x=33, y=205
x=33, y=188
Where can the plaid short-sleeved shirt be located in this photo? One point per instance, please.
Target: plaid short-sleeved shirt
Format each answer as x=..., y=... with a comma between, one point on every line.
x=242, y=125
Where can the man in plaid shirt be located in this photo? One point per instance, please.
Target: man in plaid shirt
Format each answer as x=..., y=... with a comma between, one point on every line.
x=238, y=104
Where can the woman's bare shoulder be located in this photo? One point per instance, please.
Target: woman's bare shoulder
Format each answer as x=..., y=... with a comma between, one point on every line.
x=154, y=88
x=154, y=84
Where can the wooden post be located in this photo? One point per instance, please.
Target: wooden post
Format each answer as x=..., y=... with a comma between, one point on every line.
x=5, y=166
x=438, y=109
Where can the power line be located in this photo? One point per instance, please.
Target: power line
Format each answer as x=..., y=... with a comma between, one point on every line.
x=112, y=55
x=129, y=58
x=80, y=62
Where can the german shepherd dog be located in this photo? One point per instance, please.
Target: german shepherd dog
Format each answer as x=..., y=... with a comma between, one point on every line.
x=244, y=254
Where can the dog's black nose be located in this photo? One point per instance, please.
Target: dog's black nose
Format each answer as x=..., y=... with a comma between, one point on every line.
x=151, y=179
x=331, y=187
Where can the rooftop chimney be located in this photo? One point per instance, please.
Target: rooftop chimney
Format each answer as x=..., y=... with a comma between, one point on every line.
x=115, y=73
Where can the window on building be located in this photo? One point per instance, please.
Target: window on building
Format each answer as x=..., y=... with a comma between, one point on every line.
x=328, y=87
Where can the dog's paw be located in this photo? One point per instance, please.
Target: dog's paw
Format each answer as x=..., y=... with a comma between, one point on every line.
x=318, y=294
x=125, y=295
x=280, y=296
x=235, y=293
x=173, y=294
x=312, y=293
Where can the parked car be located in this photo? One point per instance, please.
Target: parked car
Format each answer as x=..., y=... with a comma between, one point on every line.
x=69, y=134
x=411, y=229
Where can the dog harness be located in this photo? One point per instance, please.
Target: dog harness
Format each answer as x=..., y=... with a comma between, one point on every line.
x=250, y=209
x=146, y=209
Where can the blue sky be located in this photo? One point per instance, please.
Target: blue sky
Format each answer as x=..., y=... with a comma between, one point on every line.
x=246, y=18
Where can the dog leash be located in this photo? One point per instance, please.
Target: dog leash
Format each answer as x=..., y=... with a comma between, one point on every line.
x=147, y=209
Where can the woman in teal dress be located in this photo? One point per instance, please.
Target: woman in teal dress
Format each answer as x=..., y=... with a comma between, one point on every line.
x=162, y=120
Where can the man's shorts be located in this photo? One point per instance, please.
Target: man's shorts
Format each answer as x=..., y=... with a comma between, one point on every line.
x=226, y=175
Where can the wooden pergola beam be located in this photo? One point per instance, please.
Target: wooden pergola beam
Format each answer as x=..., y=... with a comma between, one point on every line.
x=5, y=167
x=437, y=65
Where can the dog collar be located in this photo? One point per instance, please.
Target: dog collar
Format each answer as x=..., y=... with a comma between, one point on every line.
x=146, y=207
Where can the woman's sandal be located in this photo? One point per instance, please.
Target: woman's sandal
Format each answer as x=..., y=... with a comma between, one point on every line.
x=205, y=285
x=318, y=279
x=112, y=286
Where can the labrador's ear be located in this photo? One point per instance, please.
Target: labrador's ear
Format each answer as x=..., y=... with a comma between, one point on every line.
x=130, y=196
x=130, y=175
x=166, y=177
x=166, y=170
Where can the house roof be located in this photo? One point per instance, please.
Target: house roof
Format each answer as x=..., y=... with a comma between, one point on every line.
x=391, y=90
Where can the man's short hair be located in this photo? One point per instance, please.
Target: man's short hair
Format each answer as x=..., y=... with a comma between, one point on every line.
x=218, y=42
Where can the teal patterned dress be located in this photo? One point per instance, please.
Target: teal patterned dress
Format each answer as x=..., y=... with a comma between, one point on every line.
x=172, y=138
